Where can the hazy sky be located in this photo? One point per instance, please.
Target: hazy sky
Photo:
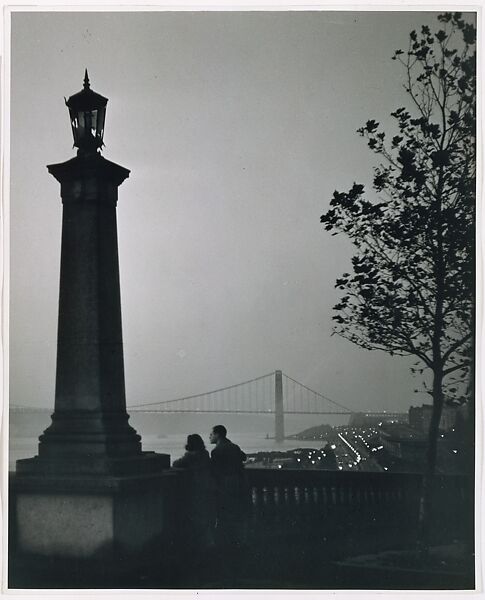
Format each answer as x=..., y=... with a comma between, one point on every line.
x=237, y=128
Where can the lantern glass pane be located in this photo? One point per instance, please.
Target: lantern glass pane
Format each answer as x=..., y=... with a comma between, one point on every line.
x=100, y=124
x=93, y=117
x=74, y=126
x=81, y=126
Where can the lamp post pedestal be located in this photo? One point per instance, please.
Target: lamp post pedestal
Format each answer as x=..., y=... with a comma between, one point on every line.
x=91, y=489
x=90, y=433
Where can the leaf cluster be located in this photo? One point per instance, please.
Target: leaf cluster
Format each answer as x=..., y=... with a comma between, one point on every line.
x=411, y=288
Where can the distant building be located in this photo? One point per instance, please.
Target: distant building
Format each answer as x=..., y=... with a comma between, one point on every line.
x=361, y=419
x=405, y=449
x=403, y=443
x=420, y=417
x=281, y=463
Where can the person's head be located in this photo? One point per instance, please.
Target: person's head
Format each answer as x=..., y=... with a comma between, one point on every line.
x=194, y=442
x=219, y=432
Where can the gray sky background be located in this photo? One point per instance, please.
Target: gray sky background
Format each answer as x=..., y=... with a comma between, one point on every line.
x=237, y=128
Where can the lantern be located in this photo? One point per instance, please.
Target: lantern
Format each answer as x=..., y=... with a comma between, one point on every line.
x=87, y=111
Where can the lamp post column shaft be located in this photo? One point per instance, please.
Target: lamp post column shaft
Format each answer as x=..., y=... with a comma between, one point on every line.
x=90, y=373
x=90, y=407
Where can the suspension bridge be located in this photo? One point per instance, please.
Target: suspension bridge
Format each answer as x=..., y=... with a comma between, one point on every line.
x=272, y=394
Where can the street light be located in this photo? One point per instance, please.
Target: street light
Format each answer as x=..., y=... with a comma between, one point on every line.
x=87, y=111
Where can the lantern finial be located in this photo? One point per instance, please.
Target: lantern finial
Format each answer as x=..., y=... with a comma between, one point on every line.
x=87, y=111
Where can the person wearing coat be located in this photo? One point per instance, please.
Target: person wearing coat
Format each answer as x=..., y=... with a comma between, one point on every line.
x=199, y=499
x=227, y=460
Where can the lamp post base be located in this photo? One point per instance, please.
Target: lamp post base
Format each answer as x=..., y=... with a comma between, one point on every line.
x=145, y=463
x=89, y=517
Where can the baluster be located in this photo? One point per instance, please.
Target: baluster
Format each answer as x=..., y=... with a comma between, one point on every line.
x=319, y=508
x=309, y=508
x=277, y=504
x=325, y=505
x=256, y=508
x=286, y=502
x=272, y=508
x=315, y=500
x=293, y=500
x=254, y=495
x=265, y=524
x=299, y=506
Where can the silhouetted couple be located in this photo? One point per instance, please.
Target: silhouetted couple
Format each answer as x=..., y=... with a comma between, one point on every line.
x=216, y=494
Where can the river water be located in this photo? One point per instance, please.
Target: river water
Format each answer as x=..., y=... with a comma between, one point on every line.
x=168, y=433
x=173, y=444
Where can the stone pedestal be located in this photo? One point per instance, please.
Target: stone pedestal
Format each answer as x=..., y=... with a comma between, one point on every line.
x=91, y=491
x=100, y=518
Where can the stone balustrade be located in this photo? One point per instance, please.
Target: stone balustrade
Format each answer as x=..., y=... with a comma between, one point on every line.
x=354, y=512
x=322, y=505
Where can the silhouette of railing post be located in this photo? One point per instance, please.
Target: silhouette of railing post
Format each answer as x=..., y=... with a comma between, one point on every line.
x=278, y=412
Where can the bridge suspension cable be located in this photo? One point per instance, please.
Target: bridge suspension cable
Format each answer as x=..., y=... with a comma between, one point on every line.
x=210, y=393
x=255, y=395
x=315, y=394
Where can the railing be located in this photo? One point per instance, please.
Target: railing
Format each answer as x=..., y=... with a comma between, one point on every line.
x=322, y=505
x=344, y=513
x=341, y=512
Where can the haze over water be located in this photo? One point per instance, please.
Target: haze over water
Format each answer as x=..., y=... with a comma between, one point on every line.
x=169, y=432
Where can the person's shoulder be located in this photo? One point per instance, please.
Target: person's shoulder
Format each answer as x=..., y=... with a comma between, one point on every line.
x=236, y=450
x=221, y=448
x=204, y=455
x=233, y=445
x=182, y=462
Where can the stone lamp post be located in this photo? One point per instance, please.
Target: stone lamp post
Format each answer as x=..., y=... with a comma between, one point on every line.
x=91, y=490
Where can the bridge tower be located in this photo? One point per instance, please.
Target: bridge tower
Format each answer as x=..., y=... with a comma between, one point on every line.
x=279, y=424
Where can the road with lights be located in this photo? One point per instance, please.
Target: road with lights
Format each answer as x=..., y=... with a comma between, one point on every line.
x=356, y=454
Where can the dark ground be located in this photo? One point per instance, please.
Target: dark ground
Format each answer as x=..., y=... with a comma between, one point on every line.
x=285, y=567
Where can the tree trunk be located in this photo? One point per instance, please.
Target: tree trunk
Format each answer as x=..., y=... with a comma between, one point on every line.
x=425, y=504
x=425, y=508
x=470, y=463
